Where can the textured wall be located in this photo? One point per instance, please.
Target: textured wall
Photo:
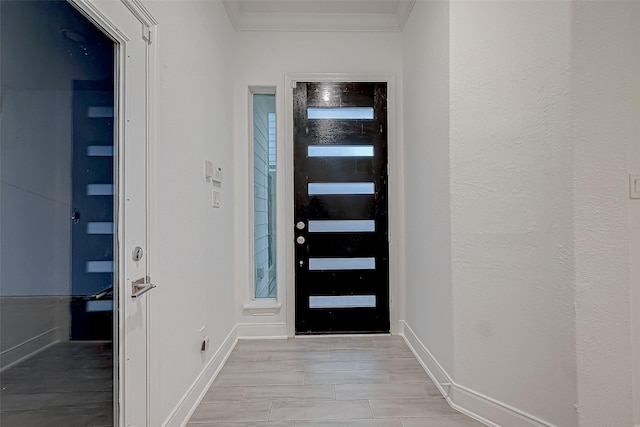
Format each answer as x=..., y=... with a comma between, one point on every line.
x=633, y=121
x=428, y=300
x=511, y=205
x=603, y=49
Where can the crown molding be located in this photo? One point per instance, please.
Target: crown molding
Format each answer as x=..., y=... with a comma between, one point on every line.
x=301, y=15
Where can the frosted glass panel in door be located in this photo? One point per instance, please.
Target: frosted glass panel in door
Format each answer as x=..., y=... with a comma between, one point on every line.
x=342, y=301
x=342, y=226
x=340, y=151
x=318, y=188
x=341, y=113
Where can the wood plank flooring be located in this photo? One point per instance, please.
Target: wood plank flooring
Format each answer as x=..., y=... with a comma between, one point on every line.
x=69, y=384
x=368, y=381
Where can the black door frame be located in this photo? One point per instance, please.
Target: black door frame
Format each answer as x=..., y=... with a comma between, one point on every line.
x=394, y=189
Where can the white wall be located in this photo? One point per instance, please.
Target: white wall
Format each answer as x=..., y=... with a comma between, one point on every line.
x=264, y=59
x=604, y=116
x=427, y=247
x=36, y=140
x=634, y=208
x=511, y=205
x=192, y=243
x=36, y=192
x=542, y=110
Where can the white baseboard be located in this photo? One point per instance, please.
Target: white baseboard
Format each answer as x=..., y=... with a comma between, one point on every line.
x=29, y=348
x=30, y=325
x=262, y=331
x=191, y=399
x=476, y=405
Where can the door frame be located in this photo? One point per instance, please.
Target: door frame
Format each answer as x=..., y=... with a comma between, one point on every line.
x=111, y=24
x=394, y=188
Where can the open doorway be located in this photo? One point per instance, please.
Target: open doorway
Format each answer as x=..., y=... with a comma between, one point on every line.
x=57, y=130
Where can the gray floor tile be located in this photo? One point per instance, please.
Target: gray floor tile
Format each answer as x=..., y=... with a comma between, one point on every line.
x=320, y=366
x=276, y=392
x=242, y=356
x=360, y=377
x=337, y=344
x=453, y=421
x=68, y=384
x=409, y=376
x=271, y=345
x=246, y=367
x=294, y=355
x=224, y=393
x=24, y=402
x=232, y=411
x=431, y=389
x=68, y=417
x=379, y=391
x=368, y=381
x=261, y=378
x=320, y=410
x=410, y=407
x=370, y=354
x=244, y=424
x=396, y=365
x=79, y=399
x=350, y=423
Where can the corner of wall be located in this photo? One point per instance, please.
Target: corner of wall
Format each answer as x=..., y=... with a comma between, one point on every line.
x=187, y=405
x=476, y=405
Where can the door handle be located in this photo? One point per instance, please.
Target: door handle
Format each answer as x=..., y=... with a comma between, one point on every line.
x=75, y=216
x=141, y=286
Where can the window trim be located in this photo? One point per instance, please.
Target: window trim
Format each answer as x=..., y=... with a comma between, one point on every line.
x=260, y=306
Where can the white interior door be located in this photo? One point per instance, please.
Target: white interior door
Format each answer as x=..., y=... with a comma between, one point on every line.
x=129, y=26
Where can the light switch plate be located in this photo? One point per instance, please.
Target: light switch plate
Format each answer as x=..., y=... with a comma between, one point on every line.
x=216, y=176
x=215, y=198
x=208, y=169
x=634, y=186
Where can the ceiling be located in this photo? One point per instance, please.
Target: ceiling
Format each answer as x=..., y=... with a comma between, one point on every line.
x=318, y=15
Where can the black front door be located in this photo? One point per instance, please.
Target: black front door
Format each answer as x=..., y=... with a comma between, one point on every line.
x=341, y=223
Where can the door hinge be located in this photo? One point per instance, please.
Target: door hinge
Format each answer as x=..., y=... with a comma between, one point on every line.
x=294, y=84
x=147, y=34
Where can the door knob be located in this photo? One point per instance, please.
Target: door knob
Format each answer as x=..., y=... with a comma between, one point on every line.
x=300, y=240
x=75, y=216
x=300, y=225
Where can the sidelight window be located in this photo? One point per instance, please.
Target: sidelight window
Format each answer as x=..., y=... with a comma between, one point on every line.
x=264, y=194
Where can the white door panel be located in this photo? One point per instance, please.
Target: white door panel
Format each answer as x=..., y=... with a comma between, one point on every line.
x=118, y=19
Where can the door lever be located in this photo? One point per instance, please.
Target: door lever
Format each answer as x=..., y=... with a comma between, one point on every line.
x=141, y=286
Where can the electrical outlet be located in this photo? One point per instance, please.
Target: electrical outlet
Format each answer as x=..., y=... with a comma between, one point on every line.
x=215, y=198
x=204, y=345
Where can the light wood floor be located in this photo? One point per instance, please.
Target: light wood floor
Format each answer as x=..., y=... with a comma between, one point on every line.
x=325, y=382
